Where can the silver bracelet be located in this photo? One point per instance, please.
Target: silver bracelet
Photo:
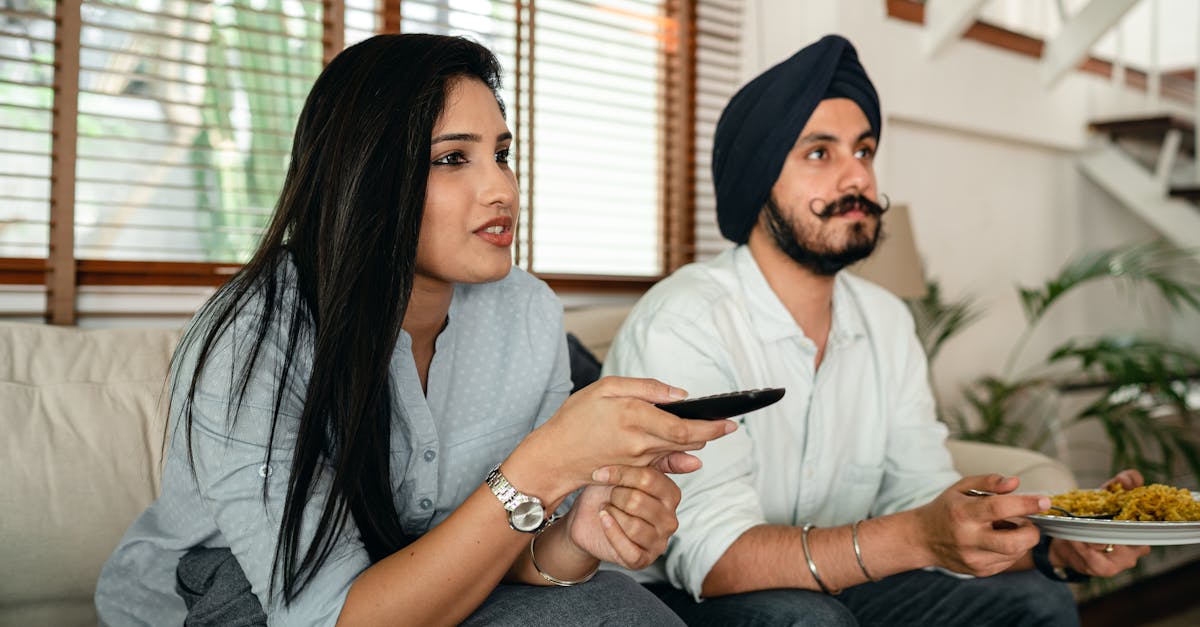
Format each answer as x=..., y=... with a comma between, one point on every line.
x=812, y=566
x=858, y=551
x=551, y=578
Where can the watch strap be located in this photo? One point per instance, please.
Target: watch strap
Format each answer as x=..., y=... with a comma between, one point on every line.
x=511, y=498
x=1041, y=560
x=504, y=491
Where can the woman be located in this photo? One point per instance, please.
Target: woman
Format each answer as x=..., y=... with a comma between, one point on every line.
x=337, y=406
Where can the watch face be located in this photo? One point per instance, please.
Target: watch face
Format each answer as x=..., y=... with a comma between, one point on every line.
x=527, y=516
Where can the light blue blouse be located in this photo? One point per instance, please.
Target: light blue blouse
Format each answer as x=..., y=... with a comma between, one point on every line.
x=500, y=370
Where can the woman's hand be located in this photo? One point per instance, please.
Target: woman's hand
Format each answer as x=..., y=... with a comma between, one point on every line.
x=627, y=517
x=612, y=422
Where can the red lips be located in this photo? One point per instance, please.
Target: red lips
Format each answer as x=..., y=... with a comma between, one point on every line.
x=503, y=238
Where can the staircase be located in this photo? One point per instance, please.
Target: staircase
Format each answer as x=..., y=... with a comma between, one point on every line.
x=1137, y=162
x=1146, y=185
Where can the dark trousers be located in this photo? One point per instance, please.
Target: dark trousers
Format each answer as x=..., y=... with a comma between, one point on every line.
x=918, y=598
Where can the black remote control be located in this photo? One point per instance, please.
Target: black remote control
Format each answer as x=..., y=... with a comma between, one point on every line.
x=726, y=405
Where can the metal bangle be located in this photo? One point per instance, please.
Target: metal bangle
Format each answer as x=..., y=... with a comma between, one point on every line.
x=858, y=551
x=812, y=566
x=551, y=578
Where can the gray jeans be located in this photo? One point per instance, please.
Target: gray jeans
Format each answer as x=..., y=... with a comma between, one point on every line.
x=608, y=599
x=216, y=592
x=916, y=598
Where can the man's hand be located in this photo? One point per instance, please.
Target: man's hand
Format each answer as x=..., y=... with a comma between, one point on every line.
x=629, y=516
x=1100, y=560
x=976, y=535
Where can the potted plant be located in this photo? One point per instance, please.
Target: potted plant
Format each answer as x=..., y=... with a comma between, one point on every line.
x=1137, y=387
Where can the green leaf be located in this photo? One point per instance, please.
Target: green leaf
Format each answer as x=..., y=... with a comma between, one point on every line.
x=1129, y=360
x=937, y=320
x=1152, y=263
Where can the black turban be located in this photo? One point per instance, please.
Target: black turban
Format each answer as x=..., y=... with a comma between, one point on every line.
x=760, y=125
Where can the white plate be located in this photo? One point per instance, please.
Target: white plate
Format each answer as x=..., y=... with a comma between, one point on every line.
x=1120, y=531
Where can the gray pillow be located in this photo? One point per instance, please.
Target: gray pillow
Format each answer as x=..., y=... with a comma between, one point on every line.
x=585, y=368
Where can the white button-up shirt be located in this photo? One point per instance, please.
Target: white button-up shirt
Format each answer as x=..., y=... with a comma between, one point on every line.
x=856, y=438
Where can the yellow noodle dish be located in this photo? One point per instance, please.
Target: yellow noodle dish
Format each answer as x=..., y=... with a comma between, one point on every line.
x=1154, y=502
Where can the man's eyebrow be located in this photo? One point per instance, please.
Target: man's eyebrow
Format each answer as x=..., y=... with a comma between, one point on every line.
x=468, y=137
x=818, y=137
x=826, y=137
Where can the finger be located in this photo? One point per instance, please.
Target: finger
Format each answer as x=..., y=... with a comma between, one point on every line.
x=677, y=462
x=649, y=390
x=1096, y=560
x=1011, y=543
x=1127, y=479
x=1101, y=564
x=648, y=536
x=1128, y=551
x=679, y=434
x=1083, y=557
x=655, y=513
x=1092, y=559
x=640, y=483
x=629, y=553
x=996, y=483
x=1005, y=506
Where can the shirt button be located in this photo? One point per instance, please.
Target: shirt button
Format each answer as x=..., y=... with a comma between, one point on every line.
x=426, y=503
x=264, y=470
x=430, y=455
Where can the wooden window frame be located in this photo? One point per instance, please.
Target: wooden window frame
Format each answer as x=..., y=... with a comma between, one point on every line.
x=62, y=273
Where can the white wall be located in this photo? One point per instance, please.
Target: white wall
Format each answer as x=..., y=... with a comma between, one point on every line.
x=984, y=154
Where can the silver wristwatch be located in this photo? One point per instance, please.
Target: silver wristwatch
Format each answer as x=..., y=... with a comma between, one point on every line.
x=525, y=512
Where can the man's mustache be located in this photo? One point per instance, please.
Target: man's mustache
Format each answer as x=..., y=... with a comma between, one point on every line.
x=846, y=204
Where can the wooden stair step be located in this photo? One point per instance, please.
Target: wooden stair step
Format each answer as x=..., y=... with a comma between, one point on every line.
x=1186, y=192
x=1143, y=125
x=1149, y=128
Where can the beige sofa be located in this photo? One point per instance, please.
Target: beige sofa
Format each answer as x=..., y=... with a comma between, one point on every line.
x=82, y=418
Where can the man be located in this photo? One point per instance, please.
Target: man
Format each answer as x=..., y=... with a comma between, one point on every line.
x=839, y=504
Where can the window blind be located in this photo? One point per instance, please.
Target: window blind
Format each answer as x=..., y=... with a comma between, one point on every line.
x=362, y=20
x=26, y=101
x=718, y=67
x=492, y=23
x=596, y=195
x=186, y=113
x=583, y=83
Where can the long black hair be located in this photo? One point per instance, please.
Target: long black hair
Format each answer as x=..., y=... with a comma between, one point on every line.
x=348, y=218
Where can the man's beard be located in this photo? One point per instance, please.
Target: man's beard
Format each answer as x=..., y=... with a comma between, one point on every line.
x=820, y=257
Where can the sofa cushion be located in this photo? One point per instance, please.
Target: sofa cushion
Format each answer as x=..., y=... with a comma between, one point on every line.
x=82, y=413
x=585, y=368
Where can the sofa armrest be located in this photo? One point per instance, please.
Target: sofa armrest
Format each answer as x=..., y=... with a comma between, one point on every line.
x=1038, y=473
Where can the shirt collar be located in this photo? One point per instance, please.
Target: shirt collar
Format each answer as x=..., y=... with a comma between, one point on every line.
x=772, y=321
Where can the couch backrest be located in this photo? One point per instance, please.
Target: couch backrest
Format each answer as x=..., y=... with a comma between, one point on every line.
x=595, y=326
x=1039, y=474
x=82, y=413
